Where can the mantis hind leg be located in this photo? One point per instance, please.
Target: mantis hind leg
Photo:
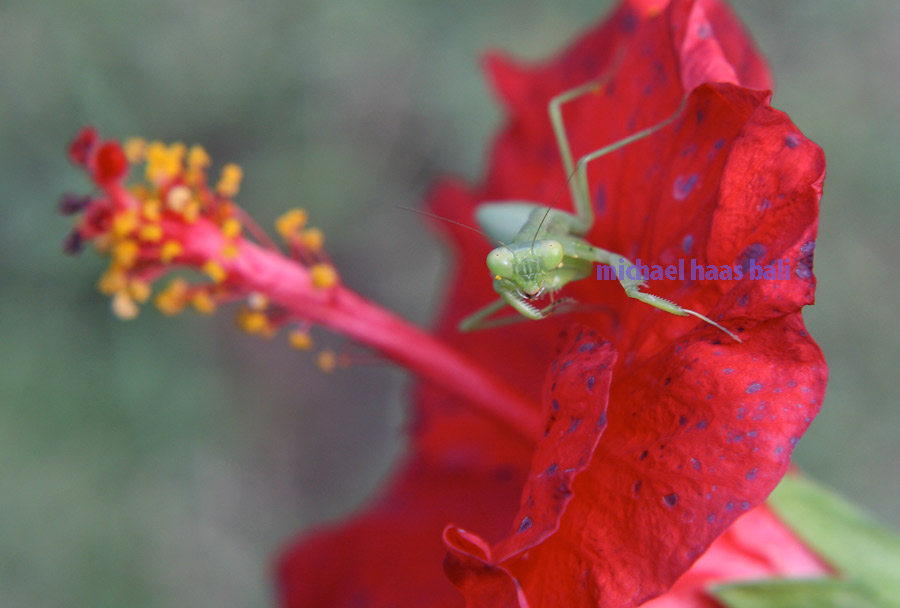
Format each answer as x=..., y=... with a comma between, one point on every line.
x=578, y=184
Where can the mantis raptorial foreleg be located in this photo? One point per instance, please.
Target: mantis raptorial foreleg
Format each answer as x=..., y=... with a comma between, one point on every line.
x=548, y=250
x=480, y=320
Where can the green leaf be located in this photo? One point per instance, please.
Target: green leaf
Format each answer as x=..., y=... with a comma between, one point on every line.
x=860, y=548
x=820, y=593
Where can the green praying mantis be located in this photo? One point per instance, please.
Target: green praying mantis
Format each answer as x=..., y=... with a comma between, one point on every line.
x=549, y=249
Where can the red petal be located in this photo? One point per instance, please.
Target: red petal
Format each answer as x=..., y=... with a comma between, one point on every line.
x=737, y=45
x=391, y=555
x=575, y=407
x=757, y=546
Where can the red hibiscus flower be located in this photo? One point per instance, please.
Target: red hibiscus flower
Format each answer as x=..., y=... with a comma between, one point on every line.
x=660, y=431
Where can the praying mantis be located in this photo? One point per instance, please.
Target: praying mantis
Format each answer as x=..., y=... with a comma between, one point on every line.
x=549, y=249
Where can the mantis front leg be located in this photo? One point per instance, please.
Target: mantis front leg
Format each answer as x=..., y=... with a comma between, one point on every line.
x=631, y=286
x=480, y=318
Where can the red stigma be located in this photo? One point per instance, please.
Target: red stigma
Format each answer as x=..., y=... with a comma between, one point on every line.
x=81, y=146
x=111, y=163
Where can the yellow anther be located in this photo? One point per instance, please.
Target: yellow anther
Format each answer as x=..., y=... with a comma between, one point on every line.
x=229, y=251
x=178, y=198
x=300, y=340
x=123, y=306
x=312, y=239
x=150, y=209
x=124, y=223
x=112, y=281
x=290, y=223
x=231, y=228
x=191, y=211
x=215, y=271
x=169, y=251
x=151, y=233
x=203, y=302
x=163, y=162
x=134, y=149
x=327, y=360
x=125, y=253
x=197, y=157
x=257, y=301
x=230, y=182
x=170, y=301
x=177, y=150
x=323, y=275
x=253, y=322
x=139, y=290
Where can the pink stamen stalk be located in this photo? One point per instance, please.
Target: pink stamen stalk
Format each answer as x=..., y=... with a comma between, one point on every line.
x=288, y=283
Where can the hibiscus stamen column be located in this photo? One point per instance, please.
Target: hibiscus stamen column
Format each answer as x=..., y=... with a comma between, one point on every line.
x=174, y=219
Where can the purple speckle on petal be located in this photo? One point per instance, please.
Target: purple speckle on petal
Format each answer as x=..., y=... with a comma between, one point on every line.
x=600, y=199
x=754, y=388
x=751, y=474
x=687, y=243
x=683, y=186
x=808, y=247
x=791, y=141
x=751, y=254
x=670, y=500
x=526, y=523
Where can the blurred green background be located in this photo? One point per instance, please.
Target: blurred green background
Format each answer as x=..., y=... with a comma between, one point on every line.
x=162, y=462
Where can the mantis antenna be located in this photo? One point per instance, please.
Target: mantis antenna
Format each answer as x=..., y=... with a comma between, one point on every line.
x=448, y=220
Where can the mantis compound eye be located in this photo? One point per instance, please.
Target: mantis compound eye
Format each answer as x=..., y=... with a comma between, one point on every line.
x=501, y=262
x=549, y=252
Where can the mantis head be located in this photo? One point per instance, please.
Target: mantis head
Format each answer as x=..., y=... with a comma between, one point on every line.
x=524, y=266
